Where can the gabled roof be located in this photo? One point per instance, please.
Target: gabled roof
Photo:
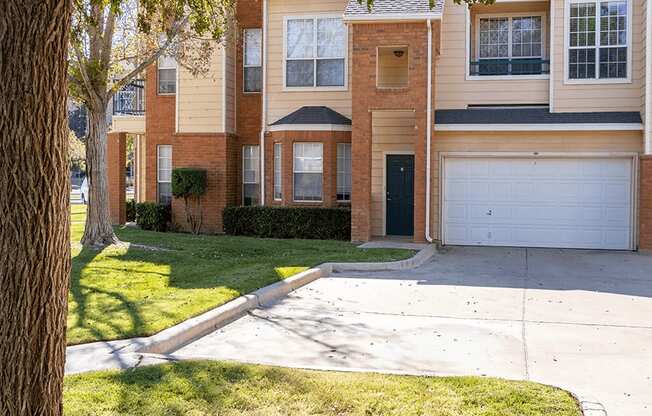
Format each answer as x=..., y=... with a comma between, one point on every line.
x=314, y=115
x=393, y=9
x=532, y=116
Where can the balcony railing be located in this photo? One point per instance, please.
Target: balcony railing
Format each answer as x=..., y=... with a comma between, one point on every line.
x=130, y=100
x=520, y=66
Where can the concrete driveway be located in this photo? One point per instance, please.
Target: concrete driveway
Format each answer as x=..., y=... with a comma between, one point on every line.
x=581, y=320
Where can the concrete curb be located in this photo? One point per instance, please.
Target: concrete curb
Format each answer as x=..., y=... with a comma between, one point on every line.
x=179, y=335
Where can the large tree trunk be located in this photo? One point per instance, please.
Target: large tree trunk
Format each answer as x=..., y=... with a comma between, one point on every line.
x=34, y=205
x=98, y=231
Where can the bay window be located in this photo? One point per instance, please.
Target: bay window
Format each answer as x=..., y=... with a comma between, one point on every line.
x=164, y=174
x=250, y=175
x=308, y=171
x=598, y=40
x=252, y=60
x=315, y=52
x=278, y=172
x=344, y=172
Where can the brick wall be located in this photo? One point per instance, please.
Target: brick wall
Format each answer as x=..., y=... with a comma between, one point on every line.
x=330, y=139
x=645, y=208
x=116, y=161
x=366, y=97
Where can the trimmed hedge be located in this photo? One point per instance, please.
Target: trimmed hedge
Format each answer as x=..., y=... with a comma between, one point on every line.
x=153, y=216
x=289, y=222
x=131, y=210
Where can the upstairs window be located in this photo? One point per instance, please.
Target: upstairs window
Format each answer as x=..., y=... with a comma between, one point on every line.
x=315, y=52
x=598, y=40
x=252, y=60
x=167, y=75
x=509, y=45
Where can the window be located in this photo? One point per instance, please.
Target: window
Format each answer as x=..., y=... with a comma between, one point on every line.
x=252, y=60
x=510, y=45
x=278, y=176
x=308, y=168
x=344, y=171
x=598, y=40
x=167, y=75
x=250, y=175
x=315, y=52
x=164, y=174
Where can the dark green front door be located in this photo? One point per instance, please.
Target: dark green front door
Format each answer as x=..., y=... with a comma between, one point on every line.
x=400, y=195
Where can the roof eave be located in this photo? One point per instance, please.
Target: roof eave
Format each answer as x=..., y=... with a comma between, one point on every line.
x=391, y=17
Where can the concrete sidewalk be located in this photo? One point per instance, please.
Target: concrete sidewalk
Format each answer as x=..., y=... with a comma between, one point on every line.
x=575, y=319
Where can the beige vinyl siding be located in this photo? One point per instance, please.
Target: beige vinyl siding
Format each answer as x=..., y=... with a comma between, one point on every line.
x=453, y=90
x=391, y=131
x=280, y=102
x=200, y=98
x=603, y=96
x=230, y=62
x=529, y=142
x=128, y=124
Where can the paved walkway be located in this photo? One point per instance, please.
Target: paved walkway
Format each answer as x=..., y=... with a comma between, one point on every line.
x=577, y=319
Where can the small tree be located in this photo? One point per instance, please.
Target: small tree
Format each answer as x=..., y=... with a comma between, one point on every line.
x=190, y=184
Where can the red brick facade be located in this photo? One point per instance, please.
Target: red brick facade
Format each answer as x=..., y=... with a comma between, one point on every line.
x=645, y=206
x=116, y=161
x=367, y=97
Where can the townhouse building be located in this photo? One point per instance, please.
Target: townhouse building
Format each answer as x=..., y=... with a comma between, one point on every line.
x=522, y=123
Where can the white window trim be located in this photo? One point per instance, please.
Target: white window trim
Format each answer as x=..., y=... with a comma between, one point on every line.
x=343, y=201
x=314, y=17
x=158, y=80
x=280, y=161
x=244, y=65
x=158, y=168
x=476, y=40
x=243, y=172
x=569, y=81
x=294, y=172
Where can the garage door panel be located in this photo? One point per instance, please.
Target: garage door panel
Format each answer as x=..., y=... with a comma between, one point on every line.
x=566, y=203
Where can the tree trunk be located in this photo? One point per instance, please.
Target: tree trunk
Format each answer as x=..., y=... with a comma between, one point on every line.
x=34, y=205
x=98, y=231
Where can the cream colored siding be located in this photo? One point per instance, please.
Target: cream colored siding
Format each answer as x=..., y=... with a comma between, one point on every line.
x=200, y=98
x=392, y=131
x=602, y=96
x=128, y=124
x=453, y=90
x=230, y=75
x=559, y=142
x=280, y=102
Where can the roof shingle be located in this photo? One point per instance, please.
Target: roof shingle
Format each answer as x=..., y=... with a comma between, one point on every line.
x=314, y=115
x=381, y=7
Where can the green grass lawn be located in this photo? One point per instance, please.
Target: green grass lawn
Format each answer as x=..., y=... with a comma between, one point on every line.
x=127, y=292
x=229, y=389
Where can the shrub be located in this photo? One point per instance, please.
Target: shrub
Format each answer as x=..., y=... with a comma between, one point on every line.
x=289, y=222
x=131, y=210
x=190, y=184
x=153, y=216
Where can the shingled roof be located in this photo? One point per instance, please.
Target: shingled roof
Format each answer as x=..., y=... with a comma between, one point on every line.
x=532, y=116
x=314, y=115
x=395, y=8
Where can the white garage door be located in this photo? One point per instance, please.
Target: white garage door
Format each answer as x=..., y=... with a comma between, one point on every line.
x=538, y=202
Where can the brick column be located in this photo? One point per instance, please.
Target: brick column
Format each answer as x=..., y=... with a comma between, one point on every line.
x=645, y=206
x=116, y=160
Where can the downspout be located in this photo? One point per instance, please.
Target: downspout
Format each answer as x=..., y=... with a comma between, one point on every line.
x=648, y=80
x=428, y=131
x=264, y=108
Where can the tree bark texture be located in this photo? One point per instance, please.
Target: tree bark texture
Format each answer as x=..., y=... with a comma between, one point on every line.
x=98, y=231
x=34, y=205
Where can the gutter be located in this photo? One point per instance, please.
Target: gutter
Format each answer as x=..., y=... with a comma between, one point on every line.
x=387, y=17
x=263, y=117
x=648, y=80
x=429, y=130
